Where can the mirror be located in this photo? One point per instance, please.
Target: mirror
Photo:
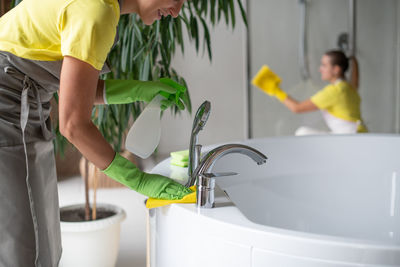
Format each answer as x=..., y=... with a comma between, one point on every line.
x=275, y=39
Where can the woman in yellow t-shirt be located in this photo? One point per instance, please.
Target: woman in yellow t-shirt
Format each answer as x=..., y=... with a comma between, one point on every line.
x=339, y=101
x=49, y=46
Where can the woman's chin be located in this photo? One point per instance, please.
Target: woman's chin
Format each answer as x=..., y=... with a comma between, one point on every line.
x=148, y=21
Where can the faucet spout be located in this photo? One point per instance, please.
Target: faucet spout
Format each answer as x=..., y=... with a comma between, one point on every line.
x=209, y=160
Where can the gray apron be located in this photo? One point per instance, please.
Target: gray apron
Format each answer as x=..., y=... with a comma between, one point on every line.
x=29, y=211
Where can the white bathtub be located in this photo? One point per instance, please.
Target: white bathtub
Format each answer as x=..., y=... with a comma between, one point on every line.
x=318, y=201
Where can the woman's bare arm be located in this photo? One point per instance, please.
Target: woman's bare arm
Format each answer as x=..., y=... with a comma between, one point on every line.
x=299, y=107
x=78, y=92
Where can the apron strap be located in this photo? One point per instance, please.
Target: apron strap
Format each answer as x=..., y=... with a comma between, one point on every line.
x=27, y=84
x=47, y=134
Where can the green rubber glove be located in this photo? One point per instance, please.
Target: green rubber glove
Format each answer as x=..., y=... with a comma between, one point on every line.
x=151, y=185
x=129, y=91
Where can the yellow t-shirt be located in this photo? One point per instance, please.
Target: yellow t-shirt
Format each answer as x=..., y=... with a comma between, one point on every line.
x=48, y=30
x=341, y=101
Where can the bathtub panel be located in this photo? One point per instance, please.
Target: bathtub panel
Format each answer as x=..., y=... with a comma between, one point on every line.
x=183, y=241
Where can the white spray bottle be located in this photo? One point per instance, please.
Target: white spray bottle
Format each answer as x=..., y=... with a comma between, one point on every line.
x=145, y=133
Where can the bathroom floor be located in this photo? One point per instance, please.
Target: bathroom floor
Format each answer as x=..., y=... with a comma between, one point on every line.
x=132, y=252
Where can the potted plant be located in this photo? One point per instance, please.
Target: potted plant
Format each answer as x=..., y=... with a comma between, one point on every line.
x=90, y=234
x=142, y=53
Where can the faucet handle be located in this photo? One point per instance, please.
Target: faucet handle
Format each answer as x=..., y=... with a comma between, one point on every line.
x=219, y=174
x=207, y=180
x=205, y=188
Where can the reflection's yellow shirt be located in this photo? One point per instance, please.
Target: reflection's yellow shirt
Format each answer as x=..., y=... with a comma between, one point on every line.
x=341, y=101
x=48, y=30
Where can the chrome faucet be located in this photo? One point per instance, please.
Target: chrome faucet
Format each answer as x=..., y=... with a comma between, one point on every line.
x=200, y=170
x=199, y=121
x=206, y=179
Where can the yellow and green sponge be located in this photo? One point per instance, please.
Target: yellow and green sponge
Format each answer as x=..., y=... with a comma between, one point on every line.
x=180, y=158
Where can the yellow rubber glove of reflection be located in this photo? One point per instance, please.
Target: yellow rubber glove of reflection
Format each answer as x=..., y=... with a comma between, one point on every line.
x=268, y=82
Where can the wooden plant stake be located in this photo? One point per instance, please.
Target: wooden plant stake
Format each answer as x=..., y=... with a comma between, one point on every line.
x=95, y=178
x=86, y=178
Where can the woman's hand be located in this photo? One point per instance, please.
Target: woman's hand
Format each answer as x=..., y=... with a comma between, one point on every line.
x=151, y=185
x=268, y=82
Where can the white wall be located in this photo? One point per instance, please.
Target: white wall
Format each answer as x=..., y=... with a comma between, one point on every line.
x=377, y=49
x=221, y=82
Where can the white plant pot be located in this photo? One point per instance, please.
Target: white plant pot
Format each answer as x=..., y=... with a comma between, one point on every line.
x=91, y=243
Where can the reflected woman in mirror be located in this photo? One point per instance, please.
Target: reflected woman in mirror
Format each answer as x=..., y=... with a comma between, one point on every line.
x=339, y=101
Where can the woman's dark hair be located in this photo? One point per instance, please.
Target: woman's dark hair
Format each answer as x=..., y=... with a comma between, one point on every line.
x=338, y=58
